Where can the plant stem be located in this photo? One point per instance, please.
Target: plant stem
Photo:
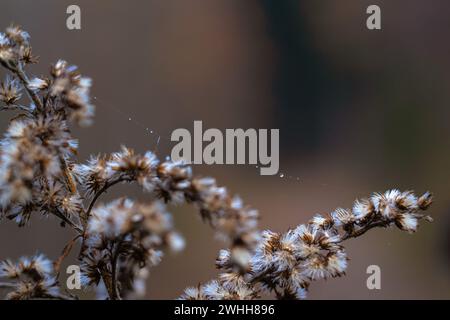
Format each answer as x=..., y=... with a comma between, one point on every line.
x=58, y=297
x=363, y=230
x=67, y=220
x=67, y=248
x=24, y=79
x=115, y=256
x=101, y=191
x=92, y=203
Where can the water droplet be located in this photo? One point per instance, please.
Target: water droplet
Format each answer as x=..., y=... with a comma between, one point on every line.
x=129, y=119
x=282, y=175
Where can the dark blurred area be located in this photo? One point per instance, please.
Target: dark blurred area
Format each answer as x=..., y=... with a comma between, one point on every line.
x=358, y=111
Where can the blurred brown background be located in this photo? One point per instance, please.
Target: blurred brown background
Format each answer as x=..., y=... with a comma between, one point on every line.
x=358, y=111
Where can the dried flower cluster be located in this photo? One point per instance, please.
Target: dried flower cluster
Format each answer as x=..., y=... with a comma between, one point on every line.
x=33, y=278
x=121, y=240
x=287, y=263
x=125, y=236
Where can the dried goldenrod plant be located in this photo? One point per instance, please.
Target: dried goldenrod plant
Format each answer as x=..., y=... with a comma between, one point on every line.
x=119, y=241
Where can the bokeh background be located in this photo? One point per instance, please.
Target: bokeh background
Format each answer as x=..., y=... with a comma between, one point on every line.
x=358, y=111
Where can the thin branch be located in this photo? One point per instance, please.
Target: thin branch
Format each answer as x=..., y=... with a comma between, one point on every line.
x=101, y=191
x=58, y=297
x=7, y=285
x=60, y=215
x=106, y=277
x=92, y=203
x=115, y=256
x=24, y=79
x=67, y=248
